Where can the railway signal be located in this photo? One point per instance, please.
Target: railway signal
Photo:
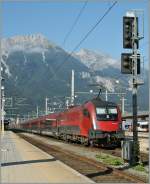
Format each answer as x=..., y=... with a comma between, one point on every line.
x=130, y=64
x=128, y=32
x=127, y=63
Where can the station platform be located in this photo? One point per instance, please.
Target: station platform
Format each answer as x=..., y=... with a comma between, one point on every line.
x=22, y=162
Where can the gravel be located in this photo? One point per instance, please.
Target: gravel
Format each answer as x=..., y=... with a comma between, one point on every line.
x=89, y=153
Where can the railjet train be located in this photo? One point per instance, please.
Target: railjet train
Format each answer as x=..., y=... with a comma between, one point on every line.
x=95, y=122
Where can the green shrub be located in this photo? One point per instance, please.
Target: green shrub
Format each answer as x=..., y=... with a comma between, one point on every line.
x=139, y=167
x=111, y=160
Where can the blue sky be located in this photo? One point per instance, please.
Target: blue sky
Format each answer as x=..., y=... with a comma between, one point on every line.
x=54, y=19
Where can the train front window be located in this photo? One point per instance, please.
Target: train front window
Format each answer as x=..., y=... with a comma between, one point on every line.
x=112, y=110
x=101, y=113
x=109, y=113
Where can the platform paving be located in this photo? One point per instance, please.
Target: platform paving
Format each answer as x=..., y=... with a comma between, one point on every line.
x=22, y=162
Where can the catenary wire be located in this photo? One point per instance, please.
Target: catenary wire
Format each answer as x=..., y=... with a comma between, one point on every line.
x=84, y=38
x=75, y=22
x=72, y=27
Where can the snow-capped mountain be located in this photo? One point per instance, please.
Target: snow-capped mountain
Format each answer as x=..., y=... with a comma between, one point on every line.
x=96, y=61
x=27, y=43
x=34, y=68
x=101, y=66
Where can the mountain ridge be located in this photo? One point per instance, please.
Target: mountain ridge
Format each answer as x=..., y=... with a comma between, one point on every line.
x=30, y=70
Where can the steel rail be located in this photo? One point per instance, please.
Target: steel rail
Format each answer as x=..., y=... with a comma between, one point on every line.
x=76, y=161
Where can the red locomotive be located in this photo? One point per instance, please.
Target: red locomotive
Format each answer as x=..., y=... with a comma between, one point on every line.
x=94, y=122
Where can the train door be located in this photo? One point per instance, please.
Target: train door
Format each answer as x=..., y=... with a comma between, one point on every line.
x=86, y=125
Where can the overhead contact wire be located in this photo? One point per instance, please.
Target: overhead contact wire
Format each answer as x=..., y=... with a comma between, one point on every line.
x=75, y=22
x=85, y=37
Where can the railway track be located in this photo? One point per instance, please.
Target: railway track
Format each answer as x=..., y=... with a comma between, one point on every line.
x=144, y=157
x=94, y=170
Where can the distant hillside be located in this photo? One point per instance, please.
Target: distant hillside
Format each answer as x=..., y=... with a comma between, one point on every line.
x=31, y=69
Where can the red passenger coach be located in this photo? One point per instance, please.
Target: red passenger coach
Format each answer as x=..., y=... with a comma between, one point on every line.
x=94, y=122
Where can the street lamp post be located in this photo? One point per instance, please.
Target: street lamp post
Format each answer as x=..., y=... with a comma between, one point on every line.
x=122, y=104
x=122, y=99
x=2, y=107
x=46, y=105
x=72, y=88
x=37, y=111
x=106, y=95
